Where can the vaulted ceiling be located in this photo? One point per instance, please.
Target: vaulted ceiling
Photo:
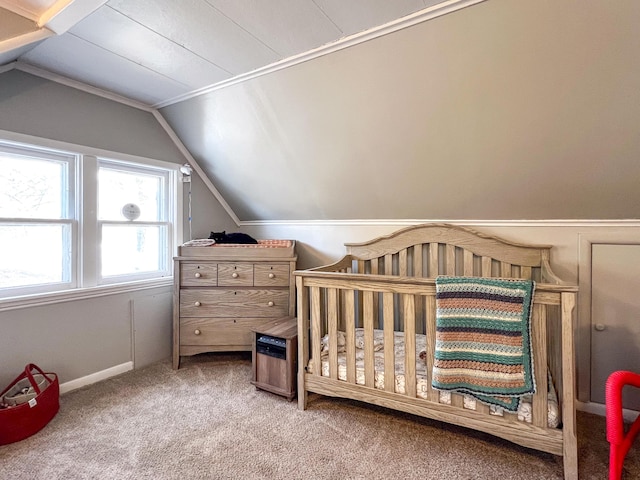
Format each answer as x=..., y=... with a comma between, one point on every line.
x=158, y=51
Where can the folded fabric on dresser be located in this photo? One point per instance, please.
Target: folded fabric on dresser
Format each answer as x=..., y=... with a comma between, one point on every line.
x=483, y=339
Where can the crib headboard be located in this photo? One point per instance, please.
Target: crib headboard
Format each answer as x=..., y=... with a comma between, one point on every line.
x=435, y=249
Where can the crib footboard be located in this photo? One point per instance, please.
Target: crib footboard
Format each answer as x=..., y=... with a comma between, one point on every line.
x=352, y=326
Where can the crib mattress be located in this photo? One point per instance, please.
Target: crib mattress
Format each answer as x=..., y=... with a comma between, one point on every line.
x=422, y=381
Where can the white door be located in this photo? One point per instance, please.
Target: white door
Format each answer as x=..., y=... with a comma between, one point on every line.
x=615, y=317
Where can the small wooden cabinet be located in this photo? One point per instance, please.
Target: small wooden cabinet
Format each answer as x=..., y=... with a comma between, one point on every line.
x=222, y=292
x=275, y=356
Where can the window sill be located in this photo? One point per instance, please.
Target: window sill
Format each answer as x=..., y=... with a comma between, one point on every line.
x=37, y=300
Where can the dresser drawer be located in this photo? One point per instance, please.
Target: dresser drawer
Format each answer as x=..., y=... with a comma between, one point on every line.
x=215, y=332
x=199, y=274
x=235, y=274
x=241, y=302
x=271, y=275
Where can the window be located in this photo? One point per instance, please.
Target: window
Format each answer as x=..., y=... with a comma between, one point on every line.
x=65, y=221
x=134, y=221
x=37, y=217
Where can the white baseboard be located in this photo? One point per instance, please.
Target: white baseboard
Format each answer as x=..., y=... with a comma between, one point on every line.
x=600, y=409
x=95, y=377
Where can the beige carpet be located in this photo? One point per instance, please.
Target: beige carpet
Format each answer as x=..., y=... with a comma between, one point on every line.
x=206, y=421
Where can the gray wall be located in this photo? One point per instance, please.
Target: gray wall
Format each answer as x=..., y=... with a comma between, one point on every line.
x=206, y=212
x=34, y=106
x=77, y=338
x=508, y=109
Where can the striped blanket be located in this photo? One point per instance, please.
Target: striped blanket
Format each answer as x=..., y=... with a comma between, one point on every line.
x=483, y=339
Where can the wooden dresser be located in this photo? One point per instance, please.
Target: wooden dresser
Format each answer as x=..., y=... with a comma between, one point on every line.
x=222, y=292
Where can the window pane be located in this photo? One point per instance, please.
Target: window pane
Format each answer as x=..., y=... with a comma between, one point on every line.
x=132, y=249
x=119, y=187
x=32, y=188
x=34, y=255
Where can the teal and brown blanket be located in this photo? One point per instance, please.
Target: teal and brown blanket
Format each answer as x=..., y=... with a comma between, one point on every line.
x=483, y=339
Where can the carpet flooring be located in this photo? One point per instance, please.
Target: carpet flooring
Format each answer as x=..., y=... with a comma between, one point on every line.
x=206, y=421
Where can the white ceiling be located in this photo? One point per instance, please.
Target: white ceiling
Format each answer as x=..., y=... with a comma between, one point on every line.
x=159, y=51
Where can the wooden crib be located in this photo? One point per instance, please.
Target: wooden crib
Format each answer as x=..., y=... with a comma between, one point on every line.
x=346, y=312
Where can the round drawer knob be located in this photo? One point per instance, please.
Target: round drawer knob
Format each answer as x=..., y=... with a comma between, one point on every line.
x=234, y=275
x=197, y=304
x=272, y=275
x=270, y=304
x=198, y=275
x=600, y=327
x=196, y=331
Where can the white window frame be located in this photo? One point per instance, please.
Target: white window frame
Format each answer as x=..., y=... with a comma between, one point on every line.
x=68, y=217
x=85, y=252
x=166, y=221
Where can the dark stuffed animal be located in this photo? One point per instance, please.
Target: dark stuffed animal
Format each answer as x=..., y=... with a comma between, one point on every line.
x=237, y=237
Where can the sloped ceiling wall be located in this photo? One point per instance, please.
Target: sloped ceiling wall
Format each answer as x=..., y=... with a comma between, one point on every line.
x=506, y=110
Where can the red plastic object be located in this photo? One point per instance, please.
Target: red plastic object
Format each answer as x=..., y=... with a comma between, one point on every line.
x=22, y=421
x=619, y=441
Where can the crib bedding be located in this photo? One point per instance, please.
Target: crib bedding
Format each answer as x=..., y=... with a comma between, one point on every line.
x=483, y=338
x=422, y=377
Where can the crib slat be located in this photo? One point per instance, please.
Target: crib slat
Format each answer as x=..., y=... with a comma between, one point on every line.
x=332, y=320
x=375, y=264
x=316, y=334
x=457, y=400
x=505, y=270
x=554, y=348
x=482, y=408
x=388, y=264
x=434, y=269
x=417, y=261
x=389, y=353
x=417, y=272
x=539, y=334
x=358, y=308
x=403, y=270
x=403, y=266
x=430, y=333
x=368, y=312
x=409, y=345
x=525, y=272
x=341, y=309
x=450, y=255
x=486, y=267
x=350, y=329
x=468, y=263
x=303, y=338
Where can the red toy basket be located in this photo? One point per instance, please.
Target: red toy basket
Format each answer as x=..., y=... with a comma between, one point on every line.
x=40, y=401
